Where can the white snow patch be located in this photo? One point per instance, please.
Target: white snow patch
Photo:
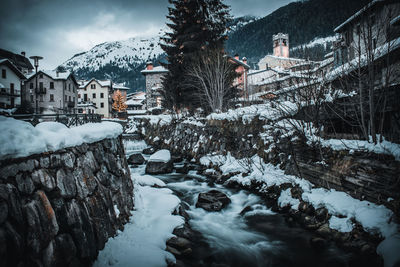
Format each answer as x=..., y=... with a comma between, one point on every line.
x=143, y=241
x=341, y=224
x=162, y=155
x=286, y=199
x=21, y=139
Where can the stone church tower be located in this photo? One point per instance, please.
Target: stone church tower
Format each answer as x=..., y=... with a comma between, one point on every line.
x=281, y=45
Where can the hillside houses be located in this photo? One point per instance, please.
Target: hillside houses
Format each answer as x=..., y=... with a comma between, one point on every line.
x=51, y=91
x=96, y=96
x=11, y=80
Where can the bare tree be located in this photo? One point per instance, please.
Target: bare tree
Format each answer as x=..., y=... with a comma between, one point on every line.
x=212, y=74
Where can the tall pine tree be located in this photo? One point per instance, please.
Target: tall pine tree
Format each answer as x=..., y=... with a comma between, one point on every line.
x=194, y=26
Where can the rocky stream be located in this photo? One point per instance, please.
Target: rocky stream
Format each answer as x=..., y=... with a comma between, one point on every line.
x=225, y=226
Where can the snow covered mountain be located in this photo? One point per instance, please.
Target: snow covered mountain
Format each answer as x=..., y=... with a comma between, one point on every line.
x=125, y=54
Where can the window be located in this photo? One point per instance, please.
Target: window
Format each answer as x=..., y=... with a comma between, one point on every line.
x=69, y=87
x=11, y=88
x=31, y=86
x=41, y=85
x=66, y=98
x=73, y=89
x=101, y=95
x=79, y=95
x=31, y=98
x=94, y=95
x=69, y=98
x=374, y=43
x=3, y=74
x=93, y=86
x=41, y=98
x=73, y=99
x=102, y=105
x=51, y=98
x=51, y=85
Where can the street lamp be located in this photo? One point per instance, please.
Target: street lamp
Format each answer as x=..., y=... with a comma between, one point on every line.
x=36, y=64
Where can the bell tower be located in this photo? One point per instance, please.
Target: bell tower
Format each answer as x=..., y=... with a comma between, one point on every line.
x=281, y=45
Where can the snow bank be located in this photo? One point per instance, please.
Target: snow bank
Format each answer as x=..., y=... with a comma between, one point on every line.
x=341, y=224
x=157, y=119
x=162, y=155
x=143, y=241
x=21, y=139
x=286, y=199
x=385, y=147
x=376, y=219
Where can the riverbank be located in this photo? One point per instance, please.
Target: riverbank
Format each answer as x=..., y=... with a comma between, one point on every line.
x=234, y=148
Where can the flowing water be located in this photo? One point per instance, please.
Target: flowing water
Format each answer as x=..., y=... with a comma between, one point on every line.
x=258, y=238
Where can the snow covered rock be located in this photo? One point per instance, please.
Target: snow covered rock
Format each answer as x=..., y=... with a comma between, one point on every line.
x=136, y=159
x=160, y=162
x=213, y=200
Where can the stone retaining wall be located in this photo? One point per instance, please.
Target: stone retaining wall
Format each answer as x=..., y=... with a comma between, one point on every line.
x=59, y=208
x=363, y=175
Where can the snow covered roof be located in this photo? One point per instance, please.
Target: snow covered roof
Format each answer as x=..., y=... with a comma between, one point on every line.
x=137, y=96
x=12, y=67
x=284, y=58
x=356, y=15
x=55, y=75
x=138, y=112
x=120, y=87
x=103, y=83
x=158, y=69
x=240, y=62
x=379, y=52
x=133, y=102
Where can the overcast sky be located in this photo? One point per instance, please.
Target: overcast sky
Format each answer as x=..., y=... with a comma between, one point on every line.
x=58, y=29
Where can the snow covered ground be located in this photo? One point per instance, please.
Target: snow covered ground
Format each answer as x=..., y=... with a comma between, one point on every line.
x=21, y=139
x=376, y=219
x=143, y=241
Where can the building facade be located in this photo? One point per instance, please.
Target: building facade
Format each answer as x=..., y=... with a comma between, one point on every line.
x=11, y=80
x=154, y=77
x=51, y=92
x=97, y=93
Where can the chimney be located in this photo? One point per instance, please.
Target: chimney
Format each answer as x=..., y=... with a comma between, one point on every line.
x=23, y=53
x=244, y=60
x=149, y=65
x=236, y=57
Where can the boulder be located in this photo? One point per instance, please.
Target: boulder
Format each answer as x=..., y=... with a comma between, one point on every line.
x=136, y=159
x=179, y=243
x=213, y=200
x=182, y=169
x=160, y=162
x=148, y=151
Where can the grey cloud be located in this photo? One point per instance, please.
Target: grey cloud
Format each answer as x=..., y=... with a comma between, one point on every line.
x=39, y=26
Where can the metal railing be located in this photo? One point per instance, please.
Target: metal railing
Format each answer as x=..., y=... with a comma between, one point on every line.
x=66, y=119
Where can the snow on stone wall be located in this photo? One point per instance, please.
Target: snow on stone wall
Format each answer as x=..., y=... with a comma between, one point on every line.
x=21, y=139
x=59, y=208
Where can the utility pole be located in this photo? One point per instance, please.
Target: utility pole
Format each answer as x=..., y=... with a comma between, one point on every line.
x=36, y=64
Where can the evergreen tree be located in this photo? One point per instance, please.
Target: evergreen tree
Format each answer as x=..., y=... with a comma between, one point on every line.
x=195, y=25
